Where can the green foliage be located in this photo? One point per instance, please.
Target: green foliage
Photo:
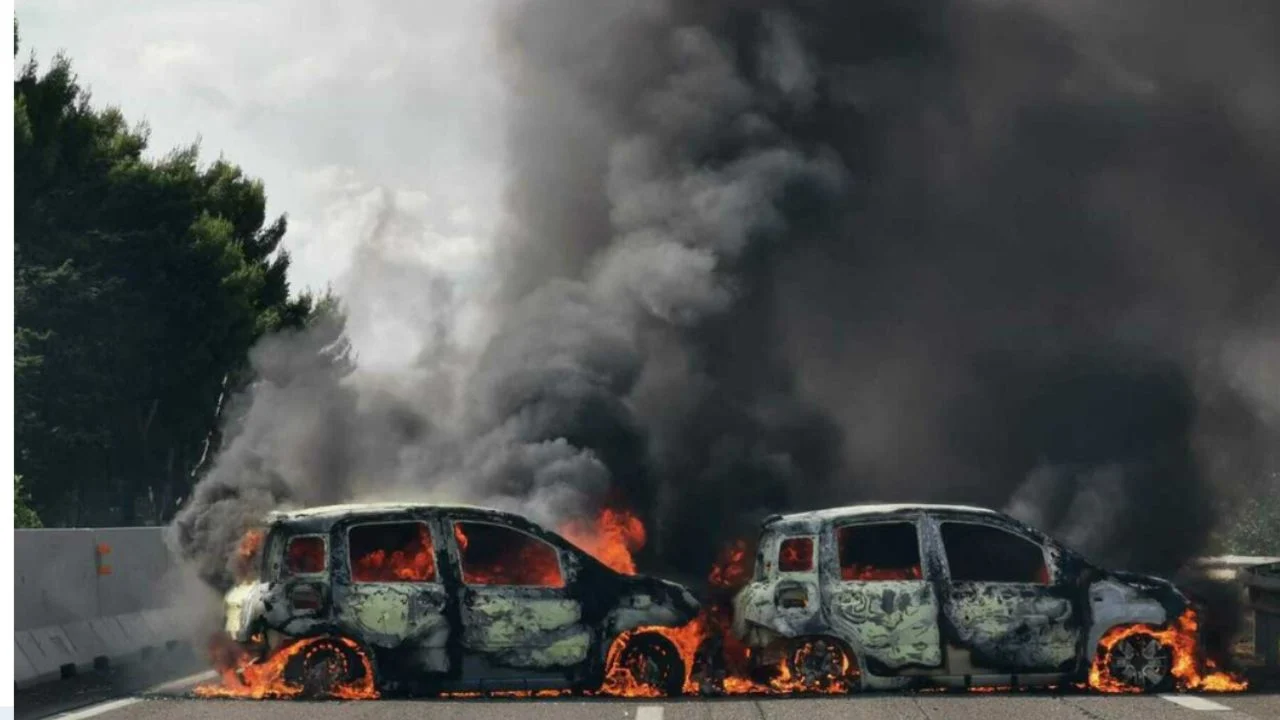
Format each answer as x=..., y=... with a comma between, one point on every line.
x=1252, y=525
x=23, y=515
x=139, y=287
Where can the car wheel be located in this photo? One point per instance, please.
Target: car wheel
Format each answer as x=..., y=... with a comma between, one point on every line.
x=822, y=665
x=321, y=667
x=1142, y=662
x=653, y=661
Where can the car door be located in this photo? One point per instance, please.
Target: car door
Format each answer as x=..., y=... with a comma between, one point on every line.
x=394, y=596
x=1004, y=600
x=515, y=605
x=877, y=593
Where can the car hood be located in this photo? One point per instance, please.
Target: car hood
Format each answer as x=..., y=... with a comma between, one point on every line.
x=677, y=596
x=1141, y=581
x=1174, y=600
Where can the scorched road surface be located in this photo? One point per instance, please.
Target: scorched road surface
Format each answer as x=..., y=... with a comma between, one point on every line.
x=878, y=707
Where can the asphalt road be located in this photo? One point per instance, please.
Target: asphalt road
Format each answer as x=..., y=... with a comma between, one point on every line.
x=173, y=703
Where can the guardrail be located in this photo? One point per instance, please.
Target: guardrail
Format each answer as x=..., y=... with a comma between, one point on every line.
x=1225, y=567
x=91, y=598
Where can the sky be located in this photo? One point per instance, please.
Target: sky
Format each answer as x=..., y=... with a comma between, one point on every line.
x=375, y=125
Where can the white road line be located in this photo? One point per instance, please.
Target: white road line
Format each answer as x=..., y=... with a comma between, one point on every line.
x=106, y=707
x=1194, y=702
x=182, y=683
x=649, y=712
x=95, y=710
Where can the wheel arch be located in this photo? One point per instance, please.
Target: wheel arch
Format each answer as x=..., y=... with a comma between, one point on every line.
x=353, y=644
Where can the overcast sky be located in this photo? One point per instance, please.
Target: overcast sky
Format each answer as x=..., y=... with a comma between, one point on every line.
x=350, y=113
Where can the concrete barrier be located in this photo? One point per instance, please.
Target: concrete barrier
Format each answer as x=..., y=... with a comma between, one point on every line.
x=90, y=598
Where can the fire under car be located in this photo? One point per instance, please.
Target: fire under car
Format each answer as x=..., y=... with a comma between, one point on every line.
x=894, y=596
x=430, y=598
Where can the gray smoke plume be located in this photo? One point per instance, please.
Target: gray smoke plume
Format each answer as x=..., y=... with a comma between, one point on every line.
x=764, y=256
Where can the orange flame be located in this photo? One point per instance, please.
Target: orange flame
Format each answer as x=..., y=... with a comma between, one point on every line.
x=416, y=562
x=733, y=567
x=531, y=563
x=870, y=572
x=247, y=553
x=1191, y=671
x=242, y=676
x=731, y=570
x=612, y=539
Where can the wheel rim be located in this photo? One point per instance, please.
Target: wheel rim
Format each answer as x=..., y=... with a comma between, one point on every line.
x=648, y=666
x=819, y=663
x=1140, y=661
x=324, y=668
x=645, y=670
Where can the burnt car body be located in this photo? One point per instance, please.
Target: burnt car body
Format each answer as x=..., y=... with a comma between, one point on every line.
x=476, y=598
x=1260, y=635
x=942, y=595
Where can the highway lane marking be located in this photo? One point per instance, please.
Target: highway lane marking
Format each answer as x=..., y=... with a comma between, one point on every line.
x=1194, y=702
x=649, y=712
x=112, y=705
x=95, y=710
x=200, y=677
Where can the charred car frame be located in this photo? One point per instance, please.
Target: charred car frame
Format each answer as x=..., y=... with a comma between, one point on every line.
x=911, y=595
x=444, y=597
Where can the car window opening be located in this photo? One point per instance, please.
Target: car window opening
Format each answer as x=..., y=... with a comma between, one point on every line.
x=497, y=555
x=305, y=555
x=795, y=555
x=980, y=553
x=392, y=552
x=881, y=551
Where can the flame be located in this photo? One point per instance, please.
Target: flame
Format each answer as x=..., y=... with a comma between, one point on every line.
x=305, y=555
x=733, y=567
x=730, y=571
x=529, y=564
x=614, y=537
x=620, y=680
x=415, y=562
x=796, y=555
x=243, y=676
x=870, y=572
x=247, y=553
x=1191, y=670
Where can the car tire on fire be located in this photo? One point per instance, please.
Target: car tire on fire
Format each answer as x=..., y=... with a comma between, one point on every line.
x=653, y=660
x=322, y=667
x=820, y=663
x=1142, y=662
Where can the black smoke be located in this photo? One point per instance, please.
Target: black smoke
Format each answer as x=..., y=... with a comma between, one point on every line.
x=764, y=256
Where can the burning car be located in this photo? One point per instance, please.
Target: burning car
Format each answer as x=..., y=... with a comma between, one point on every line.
x=892, y=596
x=356, y=600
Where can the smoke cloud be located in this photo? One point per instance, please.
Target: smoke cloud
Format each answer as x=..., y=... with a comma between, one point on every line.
x=769, y=256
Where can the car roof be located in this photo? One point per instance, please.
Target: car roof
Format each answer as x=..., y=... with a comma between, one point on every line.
x=849, y=511
x=335, y=512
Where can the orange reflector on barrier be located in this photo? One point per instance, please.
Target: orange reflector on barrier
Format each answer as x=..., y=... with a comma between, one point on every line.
x=103, y=549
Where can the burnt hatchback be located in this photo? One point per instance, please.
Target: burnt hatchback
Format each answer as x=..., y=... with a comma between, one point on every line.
x=429, y=598
x=890, y=596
